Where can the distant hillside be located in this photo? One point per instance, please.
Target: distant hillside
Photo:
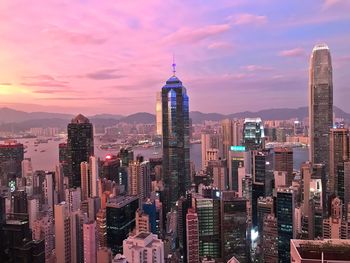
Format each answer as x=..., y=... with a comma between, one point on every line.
x=13, y=120
x=140, y=117
x=199, y=117
x=9, y=115
x=106, y=116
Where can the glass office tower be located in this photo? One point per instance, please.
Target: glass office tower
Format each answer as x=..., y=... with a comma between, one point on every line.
x=176, y=144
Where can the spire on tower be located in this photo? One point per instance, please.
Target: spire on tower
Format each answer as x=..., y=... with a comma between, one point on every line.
x=174, y=65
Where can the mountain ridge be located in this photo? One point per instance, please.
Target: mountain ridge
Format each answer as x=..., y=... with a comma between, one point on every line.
x=13, y=117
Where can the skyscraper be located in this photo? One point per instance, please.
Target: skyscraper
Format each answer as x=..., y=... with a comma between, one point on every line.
x=285, y=222
x=11, y=157
x=210, y=144
x=176, y=151
x=192, y=236
x=80, y=146
x=139, y=179
x=253, y=134
x=231, y=135
x=62, y=233
x=320, y=104
x=339, y=150
x=90, y=242
x=208, y=212
x=284, y=162
x=234, y=227
x=120, y=220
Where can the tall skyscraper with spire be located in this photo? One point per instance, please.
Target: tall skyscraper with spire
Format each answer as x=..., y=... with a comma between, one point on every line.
x=80, y=146
x=320, y=104
x=176, y=142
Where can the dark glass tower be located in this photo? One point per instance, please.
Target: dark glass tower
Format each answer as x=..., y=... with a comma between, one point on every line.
x=320, y=104
x=176, y=151
x=120, y=220
x=285, y=222
x=11, y=157
x=80, y=146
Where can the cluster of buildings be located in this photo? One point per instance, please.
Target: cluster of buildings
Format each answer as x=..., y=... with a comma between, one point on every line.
x=246, y=204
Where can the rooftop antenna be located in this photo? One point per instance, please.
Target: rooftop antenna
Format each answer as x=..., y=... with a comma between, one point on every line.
x=174, y=65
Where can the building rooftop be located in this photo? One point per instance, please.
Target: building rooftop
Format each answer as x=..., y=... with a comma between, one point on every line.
x=121, y=201
x=80, y=119
x=321, y=46
x=332, y=249
x=143, y=235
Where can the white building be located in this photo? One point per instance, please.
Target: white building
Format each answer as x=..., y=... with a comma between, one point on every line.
x=143, y=248
x=90, y=244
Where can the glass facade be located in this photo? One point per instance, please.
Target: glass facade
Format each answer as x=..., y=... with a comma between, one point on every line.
x=234, y=229
x=11, y=157
x=176, y=151
x=253, y=134
x=320, y=104
x=208, y=211
x=120, y=220
x=285, y=216
x=80, y=146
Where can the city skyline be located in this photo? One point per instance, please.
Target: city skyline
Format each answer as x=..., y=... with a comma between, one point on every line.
x=236, y=49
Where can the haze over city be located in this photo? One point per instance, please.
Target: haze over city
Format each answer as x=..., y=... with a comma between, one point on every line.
x=94, y=56
x=168, y=131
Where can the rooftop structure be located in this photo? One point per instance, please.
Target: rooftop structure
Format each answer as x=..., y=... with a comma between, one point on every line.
x=332, y=250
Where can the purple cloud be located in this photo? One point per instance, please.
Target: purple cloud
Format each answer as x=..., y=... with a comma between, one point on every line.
x=193, y=35
x=295, y=52
x=76, y=38
x=246, y=19
x=43, y=81
x=220, y=46
x=104, y=74
x=254, y=68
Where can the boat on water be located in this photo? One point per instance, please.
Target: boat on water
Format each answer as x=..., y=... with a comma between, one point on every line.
x=109, y=146
x=43, y=151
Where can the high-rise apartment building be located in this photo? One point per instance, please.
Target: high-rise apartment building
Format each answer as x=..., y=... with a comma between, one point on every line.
x=62, y=233
x=142, y=221
x=176, y=141
x=143, y=248
x=101, y=228
x=210, y=147
x=283, y=162
x=320, y=104
x=139, y=179
x=90, y=242
x=80, y=146
x=231, y=135
x=192, y=236
x=339, y=150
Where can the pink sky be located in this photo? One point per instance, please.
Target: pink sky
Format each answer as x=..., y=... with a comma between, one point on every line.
x=110, y=56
